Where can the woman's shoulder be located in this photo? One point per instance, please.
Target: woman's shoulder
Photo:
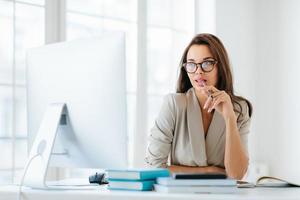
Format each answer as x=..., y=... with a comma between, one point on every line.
x=178, y=100
x=242, y=108
x=242, y=102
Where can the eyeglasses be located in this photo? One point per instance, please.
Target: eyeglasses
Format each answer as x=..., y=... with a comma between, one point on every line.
x=206, y=66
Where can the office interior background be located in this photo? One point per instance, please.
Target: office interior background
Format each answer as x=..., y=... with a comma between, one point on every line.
x=261, y=36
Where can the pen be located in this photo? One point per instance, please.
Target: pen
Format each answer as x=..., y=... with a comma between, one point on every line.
x=203, y=83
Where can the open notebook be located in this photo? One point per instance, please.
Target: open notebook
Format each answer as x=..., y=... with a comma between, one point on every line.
x=266, y=181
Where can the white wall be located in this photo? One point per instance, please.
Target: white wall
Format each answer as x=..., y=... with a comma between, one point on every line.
x=288, y=71
x=263, y=40
x=235, y=25
x=266, y=71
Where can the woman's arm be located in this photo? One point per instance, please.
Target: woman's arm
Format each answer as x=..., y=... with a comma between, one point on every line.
x=161, y=137
x=188, y=169
x=236, y=160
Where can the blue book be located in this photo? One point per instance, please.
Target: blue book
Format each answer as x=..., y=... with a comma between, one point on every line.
x=131, y=185
x=137, y=174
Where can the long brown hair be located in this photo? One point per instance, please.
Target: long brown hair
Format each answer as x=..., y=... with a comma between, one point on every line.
x=225, y=80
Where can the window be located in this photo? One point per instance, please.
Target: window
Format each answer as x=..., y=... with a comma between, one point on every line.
x=168, y=26
x=22, y=27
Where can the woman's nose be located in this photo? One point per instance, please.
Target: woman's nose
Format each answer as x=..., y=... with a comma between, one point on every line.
x=198, y=70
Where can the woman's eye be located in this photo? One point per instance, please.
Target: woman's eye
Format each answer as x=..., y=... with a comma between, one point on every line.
x=207, y=63
x=191, y=65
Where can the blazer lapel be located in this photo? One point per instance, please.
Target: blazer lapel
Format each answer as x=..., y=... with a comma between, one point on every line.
x=195, y=129
x=215, y=132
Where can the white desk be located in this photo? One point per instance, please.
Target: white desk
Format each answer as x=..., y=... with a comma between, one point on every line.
x=10, y=193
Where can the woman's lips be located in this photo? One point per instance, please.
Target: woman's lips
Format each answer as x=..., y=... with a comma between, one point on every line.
x=201, y=82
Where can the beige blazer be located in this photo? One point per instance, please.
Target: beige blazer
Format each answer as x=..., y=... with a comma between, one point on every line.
x=178, y=134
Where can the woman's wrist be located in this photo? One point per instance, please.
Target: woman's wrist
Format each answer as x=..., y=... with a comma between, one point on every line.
x=231, y=118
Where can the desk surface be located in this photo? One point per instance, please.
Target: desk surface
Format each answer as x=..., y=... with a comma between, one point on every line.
x=10, y=192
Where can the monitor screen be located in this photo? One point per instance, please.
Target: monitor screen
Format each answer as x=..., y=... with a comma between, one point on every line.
x=88, y=75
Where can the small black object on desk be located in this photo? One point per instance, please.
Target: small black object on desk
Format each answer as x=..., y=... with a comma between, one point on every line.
x=98, y=178
x=199, y=176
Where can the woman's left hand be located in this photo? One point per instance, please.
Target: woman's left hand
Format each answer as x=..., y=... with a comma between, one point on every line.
x=218, y=100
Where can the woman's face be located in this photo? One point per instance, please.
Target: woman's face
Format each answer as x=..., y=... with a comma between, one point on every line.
x=200, y=54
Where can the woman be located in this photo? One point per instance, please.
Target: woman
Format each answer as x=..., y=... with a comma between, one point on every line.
x=204, y=126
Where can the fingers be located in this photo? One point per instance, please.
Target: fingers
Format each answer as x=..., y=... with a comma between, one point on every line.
x=209, y=90
x=208, y=102
x=215, y=97
x=219, y=99
x=211, y=98
x=216, y=94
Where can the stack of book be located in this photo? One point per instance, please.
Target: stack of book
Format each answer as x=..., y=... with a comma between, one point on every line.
x=134, y=179
x=196, y=185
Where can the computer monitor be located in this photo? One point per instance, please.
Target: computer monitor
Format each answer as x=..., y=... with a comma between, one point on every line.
x=84, y=80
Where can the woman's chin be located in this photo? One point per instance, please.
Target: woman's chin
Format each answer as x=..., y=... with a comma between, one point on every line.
x=198, y=88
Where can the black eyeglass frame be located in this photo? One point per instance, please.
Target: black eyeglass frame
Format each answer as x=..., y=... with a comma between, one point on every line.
x=214, y=62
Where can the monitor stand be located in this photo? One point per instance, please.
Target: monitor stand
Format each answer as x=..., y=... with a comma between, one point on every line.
x=38, y=162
